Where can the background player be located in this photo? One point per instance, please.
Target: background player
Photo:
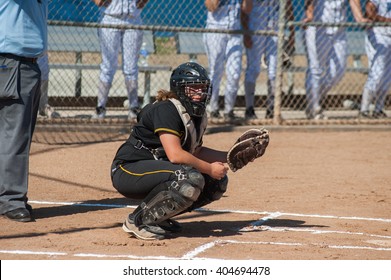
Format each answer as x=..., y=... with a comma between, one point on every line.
x=264, y=16
x=45, y=109
x=326, y=49
x=119, y=12
x=224, y=51
x=378, y=48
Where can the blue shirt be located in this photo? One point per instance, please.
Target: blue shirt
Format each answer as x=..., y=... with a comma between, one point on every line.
x=23, y=28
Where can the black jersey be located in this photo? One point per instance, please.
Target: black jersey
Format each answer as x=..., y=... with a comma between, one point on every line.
x=154, y=118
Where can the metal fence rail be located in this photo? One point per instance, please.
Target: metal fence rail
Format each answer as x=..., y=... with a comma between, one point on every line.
x=173, y=33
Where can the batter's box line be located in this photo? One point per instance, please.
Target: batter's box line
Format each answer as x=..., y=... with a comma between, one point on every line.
x=86, y=255
x=251, y=228
x=259, y=226
x=216, y=211
x=297, y=215
x=192, y=255
x=203, y=248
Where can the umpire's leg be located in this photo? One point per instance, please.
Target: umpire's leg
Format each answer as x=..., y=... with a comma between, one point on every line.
x=17, y=122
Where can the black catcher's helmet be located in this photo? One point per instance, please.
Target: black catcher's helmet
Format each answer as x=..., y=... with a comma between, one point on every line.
x=187, y=74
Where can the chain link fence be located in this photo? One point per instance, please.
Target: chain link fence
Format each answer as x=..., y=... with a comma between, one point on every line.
x=326, y=91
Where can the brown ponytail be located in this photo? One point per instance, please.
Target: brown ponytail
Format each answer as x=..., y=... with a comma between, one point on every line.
x=165, y=94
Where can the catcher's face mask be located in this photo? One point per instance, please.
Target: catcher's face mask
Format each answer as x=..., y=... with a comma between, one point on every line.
x=191, y=83
x=197, y=92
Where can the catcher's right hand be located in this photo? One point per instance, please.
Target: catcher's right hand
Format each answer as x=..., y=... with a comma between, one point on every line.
x=249, y=146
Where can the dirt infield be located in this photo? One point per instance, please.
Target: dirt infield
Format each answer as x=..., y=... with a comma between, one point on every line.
x=314, y=195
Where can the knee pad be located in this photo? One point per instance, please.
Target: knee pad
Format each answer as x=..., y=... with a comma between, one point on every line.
x=219, y=188
x=175, y=197
x=190, y=182
x=214, y=190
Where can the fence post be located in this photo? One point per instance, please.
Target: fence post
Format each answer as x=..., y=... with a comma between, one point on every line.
x=79, y=60
x=280, y=43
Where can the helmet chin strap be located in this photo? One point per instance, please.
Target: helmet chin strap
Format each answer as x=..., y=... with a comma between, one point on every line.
x=199, y=110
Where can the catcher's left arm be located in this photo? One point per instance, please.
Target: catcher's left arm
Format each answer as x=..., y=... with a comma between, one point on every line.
x=250, y=145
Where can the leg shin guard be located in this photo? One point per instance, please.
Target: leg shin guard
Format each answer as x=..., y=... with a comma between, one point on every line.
x=174, y=198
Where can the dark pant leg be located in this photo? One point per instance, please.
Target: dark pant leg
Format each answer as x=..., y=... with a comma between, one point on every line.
x=136, y=180
x=17, y=122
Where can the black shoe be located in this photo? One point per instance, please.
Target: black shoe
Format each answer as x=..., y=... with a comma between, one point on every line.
x=250, y=114
x=100, y=113
x=231, y=117
x=19, y=215
x=215, y=115
x=143, y=232
x=29, y=208
x=364, y=115
x=379, y=115
x=269, y=114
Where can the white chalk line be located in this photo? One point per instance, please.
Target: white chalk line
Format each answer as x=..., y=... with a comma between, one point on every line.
x=209, y=245
x=217, y=211
x=192, y=254
x=20, y=252
x=258, y=226
x=313, y=231
x=199, y=250
x=300, y=215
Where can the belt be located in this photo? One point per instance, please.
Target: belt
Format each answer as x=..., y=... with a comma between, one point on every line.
x=20, y=58
x=138, y=144
x=157, y=153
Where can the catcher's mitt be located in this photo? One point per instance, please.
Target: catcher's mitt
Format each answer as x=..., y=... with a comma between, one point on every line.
x=249, y=146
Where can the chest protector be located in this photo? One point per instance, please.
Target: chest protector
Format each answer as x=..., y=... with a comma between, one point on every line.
x=192, y=139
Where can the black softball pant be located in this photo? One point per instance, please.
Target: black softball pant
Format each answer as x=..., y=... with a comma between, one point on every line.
x=137, y=179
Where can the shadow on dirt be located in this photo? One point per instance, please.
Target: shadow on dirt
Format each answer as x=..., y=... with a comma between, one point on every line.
x=59, y=231
x=206, y=229
x=290, y=223
x=82, y=207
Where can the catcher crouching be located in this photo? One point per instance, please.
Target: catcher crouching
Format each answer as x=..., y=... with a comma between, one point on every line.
x=164, y=164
